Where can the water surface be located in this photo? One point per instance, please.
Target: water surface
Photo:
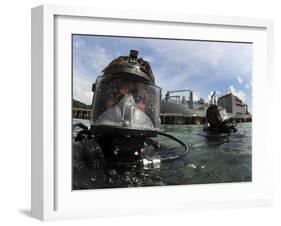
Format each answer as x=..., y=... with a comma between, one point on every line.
x=212, y=159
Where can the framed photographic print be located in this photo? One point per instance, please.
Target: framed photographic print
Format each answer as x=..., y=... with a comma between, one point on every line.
x=144, y=112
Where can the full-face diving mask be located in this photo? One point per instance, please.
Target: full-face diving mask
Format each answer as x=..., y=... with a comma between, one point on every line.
x=125, y=118
x=126, y=102
x=216, y=116
x=222, y=115
x=126, y=107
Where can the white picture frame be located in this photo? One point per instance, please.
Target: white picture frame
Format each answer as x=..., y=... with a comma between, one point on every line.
x=52, y=197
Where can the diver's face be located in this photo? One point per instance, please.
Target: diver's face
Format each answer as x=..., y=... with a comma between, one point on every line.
x=126, y=88
x=109, y=103
x=129, y=88
x=141, y=105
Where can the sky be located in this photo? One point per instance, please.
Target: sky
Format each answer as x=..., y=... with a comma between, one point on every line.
x=201, y=66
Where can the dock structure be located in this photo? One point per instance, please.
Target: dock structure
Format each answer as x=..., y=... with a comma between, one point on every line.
x=81, y=113
x=181, y=119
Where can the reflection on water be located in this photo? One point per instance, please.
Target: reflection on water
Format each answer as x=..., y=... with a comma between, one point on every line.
x=212, y=159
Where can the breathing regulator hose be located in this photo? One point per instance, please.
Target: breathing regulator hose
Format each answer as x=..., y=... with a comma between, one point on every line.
x=80, y=125
x=83, y=132
x=174, y=157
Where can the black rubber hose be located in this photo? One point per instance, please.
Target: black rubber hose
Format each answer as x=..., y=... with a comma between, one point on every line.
x=80, y=125
x=186, y=149
x=82, y=133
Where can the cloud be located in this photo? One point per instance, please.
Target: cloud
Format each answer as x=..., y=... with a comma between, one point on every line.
x=197, y=65
x=150, y=59
x=98, y=58
x=240, y=80
x=82, y=88
x=203, y=56
x=188, y=51
x=239, y=93
x=247, y=86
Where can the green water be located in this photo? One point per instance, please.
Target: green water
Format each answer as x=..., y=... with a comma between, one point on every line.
x=212, y=159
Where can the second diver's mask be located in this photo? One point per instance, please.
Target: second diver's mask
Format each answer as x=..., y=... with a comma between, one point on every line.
x=216, y=116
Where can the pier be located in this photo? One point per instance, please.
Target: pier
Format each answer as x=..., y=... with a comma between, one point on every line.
x=81, y=113
x=180, y=119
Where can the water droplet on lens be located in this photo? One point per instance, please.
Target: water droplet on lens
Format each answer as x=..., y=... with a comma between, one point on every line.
x=112, y=172
x=192, y=166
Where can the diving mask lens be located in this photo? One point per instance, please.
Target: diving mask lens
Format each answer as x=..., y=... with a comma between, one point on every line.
x=126, y=104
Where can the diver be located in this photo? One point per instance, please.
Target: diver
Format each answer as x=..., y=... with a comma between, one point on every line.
x=218, y=121
x=125, y=116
